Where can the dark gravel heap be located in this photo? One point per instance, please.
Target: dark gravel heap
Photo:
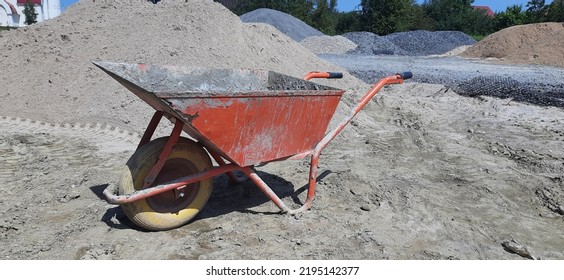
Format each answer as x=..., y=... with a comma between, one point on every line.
x=285, y=23
x=537, y=93
x=534, y=84
x=504, y=87
x=422, y=42
x=542, y=94
x=411, y=43
x=372, y=44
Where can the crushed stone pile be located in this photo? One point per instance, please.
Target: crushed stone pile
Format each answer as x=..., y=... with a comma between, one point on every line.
x=506, y=87
x=372, y=44
x=534, y=84
x=541, y=43
x=328, y=44
x=285, y=23
x=51, y=76
x=411, y=43
x=422, y=42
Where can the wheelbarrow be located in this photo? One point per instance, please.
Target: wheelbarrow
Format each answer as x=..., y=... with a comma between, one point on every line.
x=240, y=118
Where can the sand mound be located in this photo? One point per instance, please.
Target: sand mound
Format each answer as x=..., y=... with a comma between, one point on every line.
x=287, y=24
x=51, y=76
x=541, y=43
x=456, y=51
x=328, y=44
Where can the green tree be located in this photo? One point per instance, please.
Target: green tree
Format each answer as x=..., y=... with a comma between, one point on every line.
x=348, y=22
x=323, y=16
x=536, y=11
x=450, y=14
x=513, y=15
x=421, y=20
x=556, y=11
x=30, y=13
x=384, y=16
x=479, y=23
x=299, y=8
x=459, y=15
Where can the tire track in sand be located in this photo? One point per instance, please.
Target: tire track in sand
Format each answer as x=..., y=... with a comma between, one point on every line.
x=28, y=147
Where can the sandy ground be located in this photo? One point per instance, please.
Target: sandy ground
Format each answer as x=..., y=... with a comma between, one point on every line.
x=423, y=173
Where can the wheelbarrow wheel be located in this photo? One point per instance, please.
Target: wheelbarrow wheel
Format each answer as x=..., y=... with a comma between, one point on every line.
x=173, y=208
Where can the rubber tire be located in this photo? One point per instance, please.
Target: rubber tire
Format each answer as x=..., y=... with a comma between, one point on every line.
x=138, y=166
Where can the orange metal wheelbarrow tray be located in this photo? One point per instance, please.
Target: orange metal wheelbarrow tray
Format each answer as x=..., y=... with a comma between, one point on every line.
x=240, y=118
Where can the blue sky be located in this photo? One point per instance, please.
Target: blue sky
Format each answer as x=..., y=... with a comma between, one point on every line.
x=349, y=5
x=66, y=3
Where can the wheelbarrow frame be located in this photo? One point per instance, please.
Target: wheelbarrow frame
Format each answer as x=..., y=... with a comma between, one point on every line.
x=229, y=167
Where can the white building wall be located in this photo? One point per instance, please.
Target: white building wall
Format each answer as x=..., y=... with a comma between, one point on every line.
x=47, y=10
x=3, y=16
x=54, y=8
x=6, y=18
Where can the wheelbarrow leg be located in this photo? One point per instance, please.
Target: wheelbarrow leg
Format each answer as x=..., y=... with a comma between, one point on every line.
x=265, y=189
x=173, y=138
x=313, y=166
x=255, y=178
x=150, y=129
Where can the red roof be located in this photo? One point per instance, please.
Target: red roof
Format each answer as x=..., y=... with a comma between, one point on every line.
x=486, y=9
x=23, y=2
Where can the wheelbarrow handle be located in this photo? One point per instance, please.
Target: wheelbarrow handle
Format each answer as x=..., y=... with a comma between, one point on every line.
x=405, y=75
x=394, y=79
x=323, y=75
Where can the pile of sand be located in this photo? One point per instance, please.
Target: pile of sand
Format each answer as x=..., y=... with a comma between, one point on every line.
x=48, y=75
x=328, y=44
x=541, y=43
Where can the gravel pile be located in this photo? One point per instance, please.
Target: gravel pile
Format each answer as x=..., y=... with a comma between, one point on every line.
x=458, y=38
x=412, y=43
x=505, y=87
x=372, y=44
x=328, y=44
x=285, y=23
x=539, y=85
x=422, y=42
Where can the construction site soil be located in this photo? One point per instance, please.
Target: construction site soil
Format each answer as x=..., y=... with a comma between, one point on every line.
x=421, y=173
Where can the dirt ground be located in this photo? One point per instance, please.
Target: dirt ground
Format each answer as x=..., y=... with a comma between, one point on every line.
x=421, y=173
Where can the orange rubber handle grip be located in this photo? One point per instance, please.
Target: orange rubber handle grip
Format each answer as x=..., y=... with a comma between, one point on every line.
x=323, y=75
